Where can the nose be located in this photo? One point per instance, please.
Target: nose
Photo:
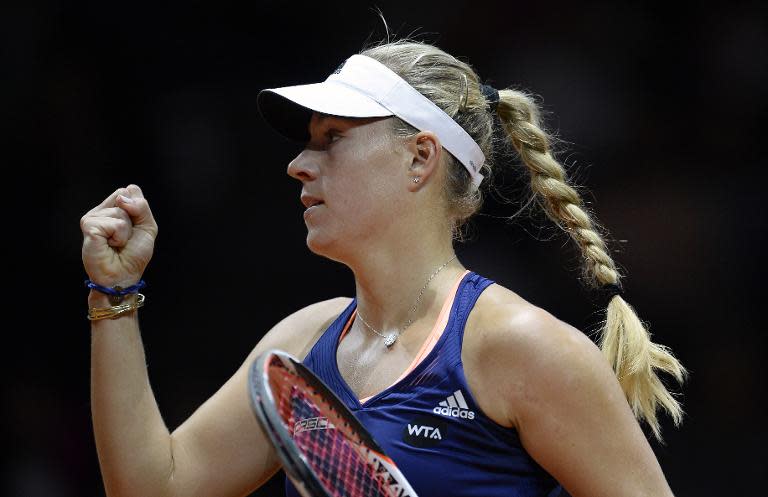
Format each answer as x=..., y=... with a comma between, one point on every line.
x=303, y=168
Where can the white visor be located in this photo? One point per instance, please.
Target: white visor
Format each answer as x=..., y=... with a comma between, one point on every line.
x=364, y=87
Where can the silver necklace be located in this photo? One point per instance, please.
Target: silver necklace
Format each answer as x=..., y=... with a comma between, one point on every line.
x=391, y=338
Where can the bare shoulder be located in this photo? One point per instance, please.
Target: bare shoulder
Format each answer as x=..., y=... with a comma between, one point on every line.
x=298, y=332
x=502, y=318
x=550, y=382
x=524, y=350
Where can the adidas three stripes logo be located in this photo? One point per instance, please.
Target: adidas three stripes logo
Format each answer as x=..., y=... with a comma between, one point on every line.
x=455, y=406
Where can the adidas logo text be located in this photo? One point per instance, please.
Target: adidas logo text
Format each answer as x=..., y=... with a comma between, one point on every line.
x=454, y=406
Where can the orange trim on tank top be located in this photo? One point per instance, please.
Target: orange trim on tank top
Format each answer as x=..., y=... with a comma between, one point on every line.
x=432, y=338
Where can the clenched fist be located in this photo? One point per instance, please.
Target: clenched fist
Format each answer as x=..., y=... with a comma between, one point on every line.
x=118, y=238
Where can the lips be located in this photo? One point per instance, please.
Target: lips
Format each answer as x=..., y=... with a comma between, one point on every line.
x=310, y=201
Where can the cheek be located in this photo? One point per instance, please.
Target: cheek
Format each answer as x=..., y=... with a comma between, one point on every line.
x=363, y=180
x=370, y=185
x=379, y=168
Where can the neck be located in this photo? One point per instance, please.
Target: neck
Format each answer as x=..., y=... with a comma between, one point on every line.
x=388, y=287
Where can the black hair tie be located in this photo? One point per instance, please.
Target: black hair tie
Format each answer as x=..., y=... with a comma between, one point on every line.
x=606, y=292
x=491, y=95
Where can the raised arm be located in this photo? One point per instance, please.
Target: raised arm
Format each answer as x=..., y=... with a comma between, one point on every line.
x=220, y=450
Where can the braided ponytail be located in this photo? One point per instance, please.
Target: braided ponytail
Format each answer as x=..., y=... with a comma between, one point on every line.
x=624, y=339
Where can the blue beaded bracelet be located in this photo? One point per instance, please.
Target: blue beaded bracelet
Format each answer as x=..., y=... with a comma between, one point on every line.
x=116, y=293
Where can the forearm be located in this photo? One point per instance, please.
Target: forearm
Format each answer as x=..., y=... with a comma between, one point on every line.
x=133, y=443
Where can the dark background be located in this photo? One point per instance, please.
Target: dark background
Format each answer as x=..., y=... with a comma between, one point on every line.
x=661, y=108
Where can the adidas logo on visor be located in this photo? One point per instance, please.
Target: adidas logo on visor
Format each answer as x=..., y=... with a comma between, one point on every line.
x=454, y=406
x=338, y=69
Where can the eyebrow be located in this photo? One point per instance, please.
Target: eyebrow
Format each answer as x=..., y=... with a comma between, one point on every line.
x=339, y=123
x=336, y=122
x=327, y=117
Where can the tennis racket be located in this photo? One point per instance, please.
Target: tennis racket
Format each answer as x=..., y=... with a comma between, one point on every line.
x=324, y=449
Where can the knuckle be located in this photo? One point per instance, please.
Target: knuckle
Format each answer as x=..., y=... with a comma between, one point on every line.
x=86, y=222
x=93, y=232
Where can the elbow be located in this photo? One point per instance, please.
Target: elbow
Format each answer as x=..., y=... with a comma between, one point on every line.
x=151, y=478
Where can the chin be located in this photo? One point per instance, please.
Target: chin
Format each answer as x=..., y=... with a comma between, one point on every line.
x=320, y=244
x=324, y=246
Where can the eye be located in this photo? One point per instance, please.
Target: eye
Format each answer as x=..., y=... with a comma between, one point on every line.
x=333, y=136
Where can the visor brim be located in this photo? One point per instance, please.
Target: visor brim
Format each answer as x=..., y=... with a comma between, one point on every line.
x=289, y=109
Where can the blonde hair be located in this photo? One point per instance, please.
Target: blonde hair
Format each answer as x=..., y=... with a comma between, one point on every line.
x=455, y=87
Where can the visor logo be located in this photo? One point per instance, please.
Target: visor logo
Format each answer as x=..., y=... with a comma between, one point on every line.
x=338, y=69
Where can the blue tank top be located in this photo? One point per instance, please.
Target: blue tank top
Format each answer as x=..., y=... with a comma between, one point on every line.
x=429, y=423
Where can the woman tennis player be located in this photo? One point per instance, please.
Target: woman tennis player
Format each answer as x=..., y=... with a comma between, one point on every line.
x=468, y=387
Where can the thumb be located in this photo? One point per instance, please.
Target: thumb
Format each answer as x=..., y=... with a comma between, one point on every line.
x=132, y=201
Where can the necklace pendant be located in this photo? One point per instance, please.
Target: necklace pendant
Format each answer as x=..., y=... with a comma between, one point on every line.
x=390, y=340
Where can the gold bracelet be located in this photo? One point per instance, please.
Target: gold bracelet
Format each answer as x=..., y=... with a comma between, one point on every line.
x=94, y=313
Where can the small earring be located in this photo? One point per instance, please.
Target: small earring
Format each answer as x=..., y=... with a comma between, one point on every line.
x=416, y=179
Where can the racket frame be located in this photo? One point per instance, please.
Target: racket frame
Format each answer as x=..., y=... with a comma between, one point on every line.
x=263, y=403
x=296, y=465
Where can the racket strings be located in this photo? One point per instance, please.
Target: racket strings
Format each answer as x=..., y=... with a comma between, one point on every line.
x=332, y=448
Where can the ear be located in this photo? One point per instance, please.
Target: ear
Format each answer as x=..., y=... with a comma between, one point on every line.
x=426, y=151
